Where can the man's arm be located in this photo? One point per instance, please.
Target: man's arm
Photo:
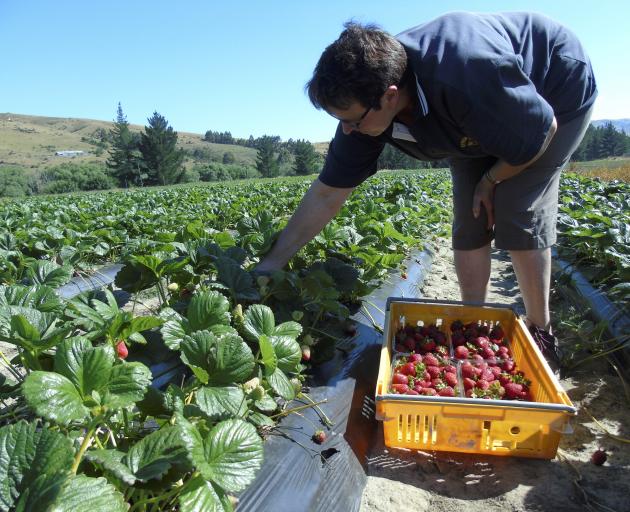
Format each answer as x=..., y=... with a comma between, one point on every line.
x=320, y=204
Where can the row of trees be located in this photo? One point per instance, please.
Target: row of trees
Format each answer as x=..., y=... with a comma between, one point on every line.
x=148, y=158
x=602, y=142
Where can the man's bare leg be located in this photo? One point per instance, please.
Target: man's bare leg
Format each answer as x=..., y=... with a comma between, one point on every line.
x=533, y=271
x=473, y=273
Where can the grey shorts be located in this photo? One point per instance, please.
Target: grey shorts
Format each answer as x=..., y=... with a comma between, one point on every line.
x=525, y=206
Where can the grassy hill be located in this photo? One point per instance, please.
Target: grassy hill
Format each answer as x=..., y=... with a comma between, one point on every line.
x=31, y=141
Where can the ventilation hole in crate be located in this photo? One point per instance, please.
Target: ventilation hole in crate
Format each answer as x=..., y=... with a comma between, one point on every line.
x=400, y=425
x=485, y=436
x=433, y=429
x=425, y=430
x=409, y=425
x=416, y=430
x=515, y=430
x=439, y=322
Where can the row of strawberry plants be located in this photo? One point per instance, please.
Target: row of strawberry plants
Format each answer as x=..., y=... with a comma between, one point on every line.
x=594, y=232
x=85, y=421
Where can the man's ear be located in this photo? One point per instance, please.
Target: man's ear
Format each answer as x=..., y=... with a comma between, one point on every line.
x=391, y=97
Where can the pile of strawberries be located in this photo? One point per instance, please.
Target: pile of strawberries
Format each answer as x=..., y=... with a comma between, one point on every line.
x=428, y=374
x=487, y=369
x=421, y=340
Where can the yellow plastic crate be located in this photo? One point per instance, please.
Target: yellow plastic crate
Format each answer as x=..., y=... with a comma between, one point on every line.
x=473, y=425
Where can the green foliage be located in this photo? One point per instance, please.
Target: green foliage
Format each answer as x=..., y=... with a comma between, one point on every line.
x=307, y=161
x=124, y=157
x=162, y=161
x=266, y=160
x=228, y=157
x=15, y=182
x=71, y=177
x=602, y=142
x=215, y=171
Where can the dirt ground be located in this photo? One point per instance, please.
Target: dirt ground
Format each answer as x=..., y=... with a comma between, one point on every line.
x=438, y=481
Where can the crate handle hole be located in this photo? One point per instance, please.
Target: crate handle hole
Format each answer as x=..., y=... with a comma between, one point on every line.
x=515, y=430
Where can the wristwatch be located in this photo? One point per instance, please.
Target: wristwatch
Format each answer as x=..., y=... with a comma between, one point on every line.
x=489, y=177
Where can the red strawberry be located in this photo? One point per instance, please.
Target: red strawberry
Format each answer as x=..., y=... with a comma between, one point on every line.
x=461, y=352
x=599, y=457
x=410, y=343
x=483, y=330
x=483, y=384
x=447, y=391
x=467, y=370
x=487, y=374
x=430, y=360
x=508, y=365
x=436, y=383
x=503, y=351
x=468, y=383
x=121, y=350
x=434, y=371
x=477, y=358
x=428, y=345
x=419, y=387
x=487, y=352
x=450, y=379
x=449, y=368
x=408, y=369
x=306, y=353
x=513, y=390
x=497, y=333
x=496, y=371
x=415, y=358
x=400, y=348
x=458, y=339
x=399, y=378
x=439, y=337
x=412, y=392
x=319, y=437
x=429, y=391
x=400, y=388
x=482, y=342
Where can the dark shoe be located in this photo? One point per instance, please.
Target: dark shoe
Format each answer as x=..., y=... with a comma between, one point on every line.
x=548, y=345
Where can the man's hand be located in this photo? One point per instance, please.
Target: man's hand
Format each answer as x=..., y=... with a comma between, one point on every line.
x=484, y=195
x=320, y=204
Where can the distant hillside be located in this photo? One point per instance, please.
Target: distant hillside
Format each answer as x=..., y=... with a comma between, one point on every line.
x=31, y=141
x=621, y=124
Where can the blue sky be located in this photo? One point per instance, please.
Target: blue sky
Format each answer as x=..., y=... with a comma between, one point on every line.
x=237, y=66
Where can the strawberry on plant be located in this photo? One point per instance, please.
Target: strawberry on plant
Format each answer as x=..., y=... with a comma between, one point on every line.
x=121, y=350
x=306, y=353
x=173, y=287
x=297, y=315
x=319, y=436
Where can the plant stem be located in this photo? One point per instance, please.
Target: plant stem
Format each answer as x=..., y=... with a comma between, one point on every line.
x=318, y=409
x=84, y=446
x=286, y=412
x=162, y=497
x=10, y=367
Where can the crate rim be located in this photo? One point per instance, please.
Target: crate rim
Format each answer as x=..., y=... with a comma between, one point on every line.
x=481, y=402
x=416, y=300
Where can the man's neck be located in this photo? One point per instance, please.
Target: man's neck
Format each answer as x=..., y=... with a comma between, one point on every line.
x=407, y=107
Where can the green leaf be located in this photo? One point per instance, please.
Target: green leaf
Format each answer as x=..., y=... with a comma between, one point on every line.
x=269, y=358
x=144, y=323
x=81, y=492
x=199, y=495
x=69, y=358
x=206, y=309
x=287, y=351
x=112, y=461
x=259, y=320
x=23, y=328
x=173, y=329
x=28, y=450
x=281, y=384
x=217, y=361
x=260, y=420
x=54, y=397
x=127, y=384
x=153, y=455
x=219, y=403
x=48, y=273
x=233, y=454
x=266, y=404
x=236, y=279
x=291, y=329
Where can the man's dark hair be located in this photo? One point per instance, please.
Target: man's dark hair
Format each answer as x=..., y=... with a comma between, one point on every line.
x=359, y=66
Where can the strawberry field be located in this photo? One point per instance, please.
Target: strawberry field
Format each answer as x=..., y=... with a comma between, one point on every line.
x=81, y=422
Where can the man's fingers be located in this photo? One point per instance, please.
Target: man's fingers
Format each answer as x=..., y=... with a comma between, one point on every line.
x=476, y=205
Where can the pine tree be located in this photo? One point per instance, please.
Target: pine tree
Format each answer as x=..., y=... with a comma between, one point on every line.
x=266, y=163
x=123, y=162
x=163, y=162
x=306, y=158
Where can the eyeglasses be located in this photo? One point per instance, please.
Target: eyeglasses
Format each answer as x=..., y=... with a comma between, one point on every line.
x=355, y=124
